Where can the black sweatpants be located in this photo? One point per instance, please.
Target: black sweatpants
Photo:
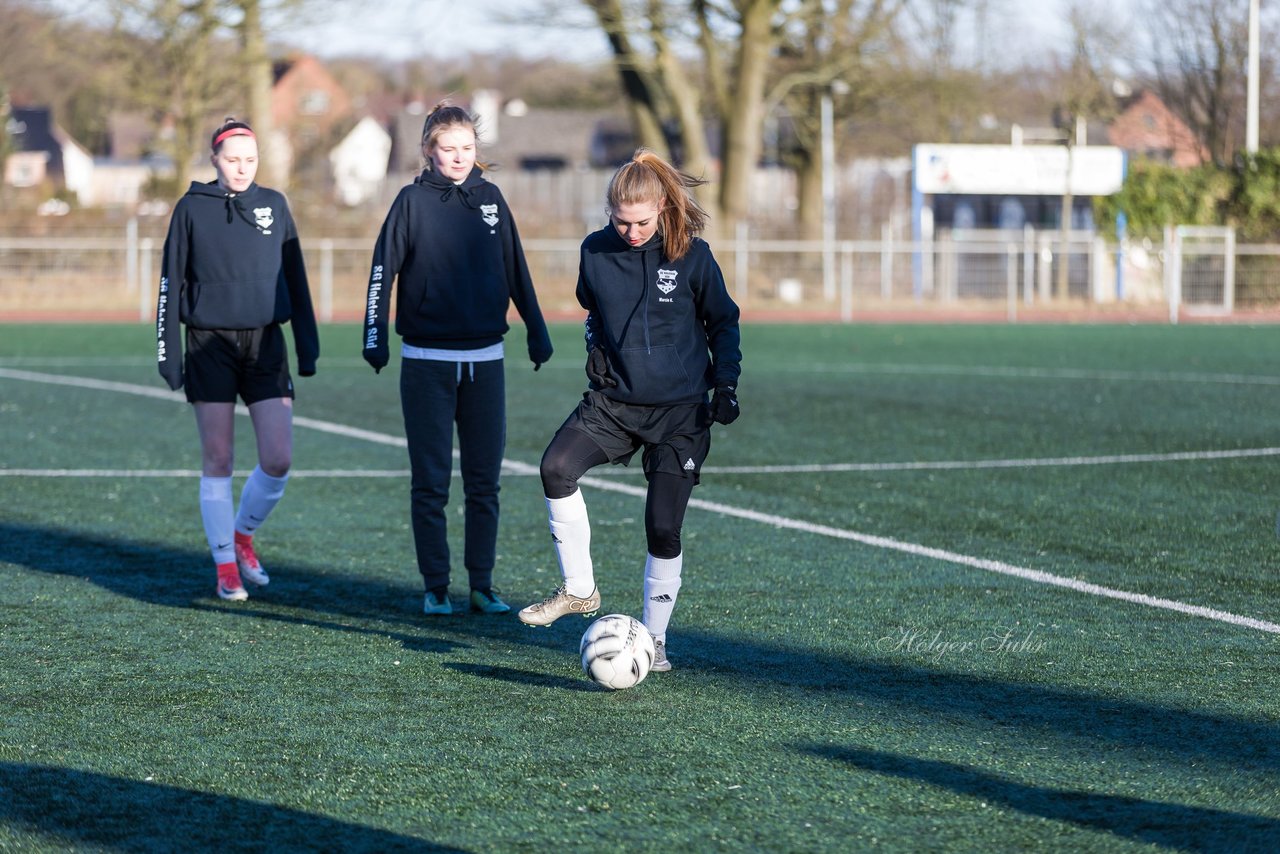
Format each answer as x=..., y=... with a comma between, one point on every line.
x=435, y=396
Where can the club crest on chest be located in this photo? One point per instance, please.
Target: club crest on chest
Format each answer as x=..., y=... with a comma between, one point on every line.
x=667, y=280
x=263, y=218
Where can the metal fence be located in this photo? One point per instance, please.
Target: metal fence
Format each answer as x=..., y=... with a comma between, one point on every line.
x=1005, y=274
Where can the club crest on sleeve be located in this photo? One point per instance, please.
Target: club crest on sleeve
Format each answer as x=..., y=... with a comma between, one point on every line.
x=264, y=218
x=667, y=280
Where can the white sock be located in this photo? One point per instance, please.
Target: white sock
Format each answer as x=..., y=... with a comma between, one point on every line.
x=661, y=585
x=260, y=495
x=219, y=519
x=571, y=533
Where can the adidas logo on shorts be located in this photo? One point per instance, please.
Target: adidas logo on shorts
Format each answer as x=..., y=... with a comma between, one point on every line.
x=688, y=464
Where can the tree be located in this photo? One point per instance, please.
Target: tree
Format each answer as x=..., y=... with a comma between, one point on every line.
x=1156, y=195
x=1195, y=60
x=62, y=63
x=172, y=49
x=635, y=73
x=737, y=41
x=838, y=50
x=1086, y=94
x=742, y=106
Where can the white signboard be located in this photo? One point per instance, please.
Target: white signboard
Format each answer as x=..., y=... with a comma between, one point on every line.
x=1018, y=170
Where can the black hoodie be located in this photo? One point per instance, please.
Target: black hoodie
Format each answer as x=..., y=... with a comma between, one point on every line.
x=456, y=252
x=233, y=261
x=669, y=328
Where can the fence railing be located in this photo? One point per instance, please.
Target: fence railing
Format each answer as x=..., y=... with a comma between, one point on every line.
x=1002, y=273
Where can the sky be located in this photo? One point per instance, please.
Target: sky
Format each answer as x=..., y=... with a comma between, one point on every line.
x=402, y=29
x=1016, y=30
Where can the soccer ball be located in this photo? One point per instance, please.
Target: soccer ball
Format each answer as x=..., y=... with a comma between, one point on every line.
x=617, y=652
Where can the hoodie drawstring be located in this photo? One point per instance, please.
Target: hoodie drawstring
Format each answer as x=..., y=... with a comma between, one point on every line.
x=235, y=202
x=644, y=296
x=463, y=195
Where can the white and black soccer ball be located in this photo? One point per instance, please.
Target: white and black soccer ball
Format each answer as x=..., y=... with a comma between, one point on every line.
x=617, y=652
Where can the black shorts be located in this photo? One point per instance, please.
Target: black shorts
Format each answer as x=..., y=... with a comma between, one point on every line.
x=222, y=364
x=676, y=438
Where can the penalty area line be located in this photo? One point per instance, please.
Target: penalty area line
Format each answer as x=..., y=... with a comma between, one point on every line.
x=1033, y=575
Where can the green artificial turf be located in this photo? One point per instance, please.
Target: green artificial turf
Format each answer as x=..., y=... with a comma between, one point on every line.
x=832, y=691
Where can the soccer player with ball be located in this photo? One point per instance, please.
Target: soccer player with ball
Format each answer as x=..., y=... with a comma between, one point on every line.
x=661, y=333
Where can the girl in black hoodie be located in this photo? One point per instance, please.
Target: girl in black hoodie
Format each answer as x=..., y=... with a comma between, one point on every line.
x=233, y=273
x=452, y=245
x=662, y=332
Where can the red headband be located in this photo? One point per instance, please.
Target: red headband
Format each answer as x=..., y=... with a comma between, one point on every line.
x=217, y=140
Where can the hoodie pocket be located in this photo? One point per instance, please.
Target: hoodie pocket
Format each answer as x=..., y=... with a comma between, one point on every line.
x=653, y=375
x=233, y=305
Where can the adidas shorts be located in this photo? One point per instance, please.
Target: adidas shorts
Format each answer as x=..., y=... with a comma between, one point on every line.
x=676, y=439
x=221, y=364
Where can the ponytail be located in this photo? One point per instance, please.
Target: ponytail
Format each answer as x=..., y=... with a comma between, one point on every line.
x=648, y=179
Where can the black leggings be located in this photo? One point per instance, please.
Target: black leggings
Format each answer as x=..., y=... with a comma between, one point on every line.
x=572, y=452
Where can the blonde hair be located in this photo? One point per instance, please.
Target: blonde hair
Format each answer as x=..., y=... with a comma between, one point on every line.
x=648, y=179
x=444, y=117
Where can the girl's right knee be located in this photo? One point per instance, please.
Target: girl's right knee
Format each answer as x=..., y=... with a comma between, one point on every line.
x=557, y=482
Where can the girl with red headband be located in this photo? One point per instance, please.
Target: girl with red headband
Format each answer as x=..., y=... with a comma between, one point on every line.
x=233, y=273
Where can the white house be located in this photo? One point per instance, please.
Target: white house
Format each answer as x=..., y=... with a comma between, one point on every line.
x=44, y=151
x=359, y=162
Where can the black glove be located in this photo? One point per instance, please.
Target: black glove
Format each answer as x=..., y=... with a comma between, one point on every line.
x=540, y=355
x=724, y=405
x=598, y=369
x=377, y=357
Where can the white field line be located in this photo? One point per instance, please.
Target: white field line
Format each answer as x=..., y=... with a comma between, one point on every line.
x=1033, y=575
x=511, y=468
x=1014, y=372
x=891, y=368
x=1015, y=463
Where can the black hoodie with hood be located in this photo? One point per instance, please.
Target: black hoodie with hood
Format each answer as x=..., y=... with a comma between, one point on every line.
x=669, y=328
x=232, y=261
x=456, y=254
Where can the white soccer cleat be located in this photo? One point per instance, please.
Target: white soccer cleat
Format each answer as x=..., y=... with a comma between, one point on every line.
x=660, y=662
x=229, y=586
x=250, y=567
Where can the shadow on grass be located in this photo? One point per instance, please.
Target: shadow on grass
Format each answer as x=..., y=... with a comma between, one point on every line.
x=1186, y=828
x=298, y=595
x=525, y=677
x=1028, y=707
x=169, y=577
x=86, y=808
